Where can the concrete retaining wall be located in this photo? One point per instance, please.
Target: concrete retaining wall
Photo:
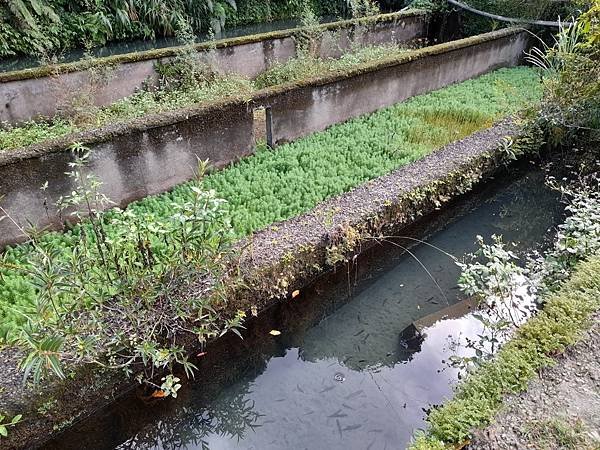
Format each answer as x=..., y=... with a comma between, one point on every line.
x=316, y=106
x=48, y=90
x=153, y=154
x=130, y=165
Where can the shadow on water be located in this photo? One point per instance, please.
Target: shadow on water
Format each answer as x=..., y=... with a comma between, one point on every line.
x=337, y=376
x=122, y=47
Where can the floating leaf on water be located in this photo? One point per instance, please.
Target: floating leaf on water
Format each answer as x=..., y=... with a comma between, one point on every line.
x=274, y=333
x=159, y=394
x=296, y=293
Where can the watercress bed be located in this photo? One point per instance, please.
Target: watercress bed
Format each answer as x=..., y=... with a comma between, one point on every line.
x=274, y=185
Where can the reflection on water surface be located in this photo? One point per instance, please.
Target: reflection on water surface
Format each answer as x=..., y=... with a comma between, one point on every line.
x=339, y=376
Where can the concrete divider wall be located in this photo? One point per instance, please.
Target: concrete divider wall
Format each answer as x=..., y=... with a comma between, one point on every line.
x=313, y=108
x=46, y=91
x=153, y=154
x=131, y=166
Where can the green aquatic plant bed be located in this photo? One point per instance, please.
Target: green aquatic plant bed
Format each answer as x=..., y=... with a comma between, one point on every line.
x=565, y=317
x=274, y=185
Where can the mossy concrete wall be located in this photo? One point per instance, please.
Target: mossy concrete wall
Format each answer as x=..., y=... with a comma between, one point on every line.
x=130, y=165
x=152, y=154
x=316, y=106
x=49, y=90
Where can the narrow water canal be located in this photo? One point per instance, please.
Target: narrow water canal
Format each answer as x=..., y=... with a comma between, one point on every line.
x=338, y=376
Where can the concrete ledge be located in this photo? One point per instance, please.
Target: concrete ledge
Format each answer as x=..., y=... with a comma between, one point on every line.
x=280, y=259
x=313, y=105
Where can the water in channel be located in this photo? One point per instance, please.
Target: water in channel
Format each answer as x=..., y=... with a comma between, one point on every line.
x=338, y=376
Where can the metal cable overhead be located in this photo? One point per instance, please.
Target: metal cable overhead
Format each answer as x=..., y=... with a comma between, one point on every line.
x=544, y=23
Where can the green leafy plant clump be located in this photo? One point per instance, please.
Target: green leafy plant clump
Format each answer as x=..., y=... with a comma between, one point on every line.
x=565, y=316
x=124, y=297
x=274, y=185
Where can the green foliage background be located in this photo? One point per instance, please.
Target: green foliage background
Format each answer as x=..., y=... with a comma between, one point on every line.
x=41, y=27
x=256, y=11
x=524, y=9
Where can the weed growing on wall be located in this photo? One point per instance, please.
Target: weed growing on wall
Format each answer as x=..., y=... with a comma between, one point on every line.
x=188, y=70
x=134, y=106
x=131, y=287
x=274, y=185
x=187, y=79
x=307, y=66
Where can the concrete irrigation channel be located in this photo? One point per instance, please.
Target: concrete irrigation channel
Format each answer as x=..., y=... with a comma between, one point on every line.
x=152, y=154
x=288, y=258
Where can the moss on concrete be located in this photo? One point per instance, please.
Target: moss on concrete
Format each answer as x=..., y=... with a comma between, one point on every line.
x=159, y=53
x=261, y=98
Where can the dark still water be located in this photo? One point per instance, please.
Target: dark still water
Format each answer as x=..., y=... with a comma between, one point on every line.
x=338, y=376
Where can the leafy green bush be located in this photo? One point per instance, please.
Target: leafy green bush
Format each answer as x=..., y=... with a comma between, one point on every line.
x=274, y=185
x=570, y=112
x=39, y=27
x=132, y=287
